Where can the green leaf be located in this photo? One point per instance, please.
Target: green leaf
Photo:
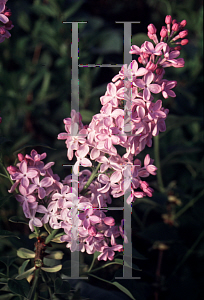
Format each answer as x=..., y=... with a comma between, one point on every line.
x=116, y=284
x=25, y=274
x=123, y=289
x=25, y=253
x=53, y=269
x=20, y=287
x=6, y=233
x=16, y=219
x=71, y=10
x=45, y=9
x=24, y=20
x=55, y=255
x=49, y=262
x=32, y=235
x=121, y=262
x=3, y=275
x=47, y=227
x=8, y=260
x=23, y=266
x=6, y=296
x=61, y=286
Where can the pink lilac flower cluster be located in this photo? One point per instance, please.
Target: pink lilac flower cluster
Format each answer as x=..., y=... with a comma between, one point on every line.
x=129, y=117
x=5, y=23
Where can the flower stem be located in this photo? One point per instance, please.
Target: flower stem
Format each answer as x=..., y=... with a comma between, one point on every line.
x=157, y=162
x=91, y=178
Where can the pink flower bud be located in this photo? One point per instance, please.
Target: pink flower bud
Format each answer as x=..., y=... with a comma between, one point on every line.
x=163, y=32
x=183, y=23
x=2, y=30
x=12, y=169
x=183, y=34
x=159, y=71
x=151, y=66
x=7, y=13
x=175, y=27
x=174, y=21
x=109, y=221
x=140, y=60
x=177, y=48
x=20, y=156
x=168, y=19
x=151, y=29
x=184, y=42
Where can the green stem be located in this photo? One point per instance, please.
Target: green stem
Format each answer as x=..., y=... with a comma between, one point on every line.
x=51, y=236
x=188, y=205
x=33, y=295
x=36, y=230
x=89, y=270
x=158, y=165
x=3, y=175
x=91, y=178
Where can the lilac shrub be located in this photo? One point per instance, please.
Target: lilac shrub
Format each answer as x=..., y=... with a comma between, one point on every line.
x=127, y=106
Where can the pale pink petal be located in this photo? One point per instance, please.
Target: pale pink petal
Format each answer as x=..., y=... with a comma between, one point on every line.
x=4, y=19
x=111, y=89
x=86, y=162
x=155, y=88
x=146, y=94
x=41, y=193
x=116, y=177
x=148, y=78
x=146, y=160
x=83, y=150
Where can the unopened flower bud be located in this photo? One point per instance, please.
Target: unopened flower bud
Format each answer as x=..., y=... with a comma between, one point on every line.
x=168, y=19
x=151, y=29
x=177, y=48
x=163, y=32
x=2, y=30
x=20, y=156
x=183, y=34
x=140, y=60
x=109, y=221
x=159, y=71
x=7, y=13
x=174, y=21
x=151, y=66
x=184, y=42
x=175, y=27
x=183, y=23
x=12, y=169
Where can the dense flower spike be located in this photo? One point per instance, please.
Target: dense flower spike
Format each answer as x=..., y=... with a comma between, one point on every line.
x=5, y=23
x=129, y=117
